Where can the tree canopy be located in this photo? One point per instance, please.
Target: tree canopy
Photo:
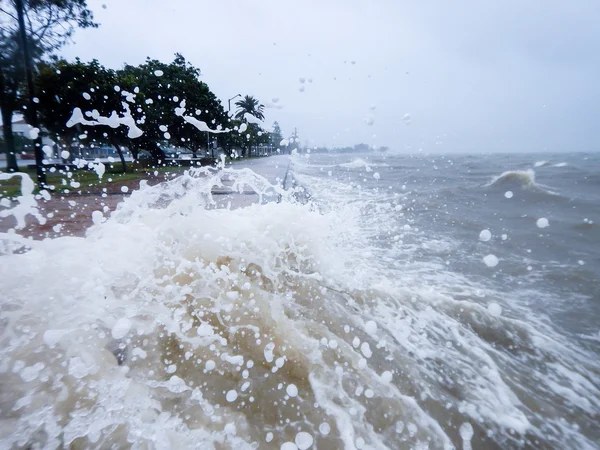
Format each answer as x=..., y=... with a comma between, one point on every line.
x=49, y=24
x=249, y=105
x=276, y=135
x=158, y=89
x=169, y=104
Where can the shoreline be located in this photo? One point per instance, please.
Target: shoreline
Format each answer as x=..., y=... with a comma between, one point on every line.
x=70, y=214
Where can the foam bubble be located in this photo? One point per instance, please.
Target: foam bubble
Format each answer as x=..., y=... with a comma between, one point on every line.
x=291, y=390
x=386, y=376
x=491, y=260
x=371, y=327
x=304, y=440
x=268, y=352
x=97, y=217
x=231, y=396
x=542, y=222
x=485, y=235
x=466, y=431
x=365, y=349
x=494, y=309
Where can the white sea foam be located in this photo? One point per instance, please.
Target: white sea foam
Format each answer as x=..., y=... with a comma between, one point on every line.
x=360, y=163
x=525, y=179
x=520, y=177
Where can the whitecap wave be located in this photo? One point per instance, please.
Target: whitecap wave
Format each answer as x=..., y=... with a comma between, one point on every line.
x=541, y=164
x=360, y=163
x=524, y=179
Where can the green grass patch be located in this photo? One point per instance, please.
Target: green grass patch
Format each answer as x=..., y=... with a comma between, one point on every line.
x=88, y=179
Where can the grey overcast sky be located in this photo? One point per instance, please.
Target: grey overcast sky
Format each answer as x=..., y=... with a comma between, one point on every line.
x=475, y=75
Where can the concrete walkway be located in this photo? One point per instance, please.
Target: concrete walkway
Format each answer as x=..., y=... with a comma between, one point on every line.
x=273, y=168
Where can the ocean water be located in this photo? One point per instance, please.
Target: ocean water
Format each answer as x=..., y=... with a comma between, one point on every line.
x=379, y=301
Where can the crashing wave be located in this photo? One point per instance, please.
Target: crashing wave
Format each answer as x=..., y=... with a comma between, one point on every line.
x=525, y=179
x=178, y=324
x=360, y=163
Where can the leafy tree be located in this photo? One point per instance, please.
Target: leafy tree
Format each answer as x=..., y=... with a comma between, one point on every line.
x=150, y=92
x=64, y=86
x=21, y=144
x=261, y=137
x=251, y=135
x=276, y=135
x=11, y=84
x=249, y=105
x=158, y=89
x=49, y=24
x=254, y=134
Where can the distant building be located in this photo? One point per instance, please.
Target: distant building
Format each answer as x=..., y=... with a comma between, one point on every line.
x=21, y=129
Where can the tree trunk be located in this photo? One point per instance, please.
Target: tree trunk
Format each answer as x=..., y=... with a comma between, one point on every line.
x=158, y=156
x=120, y=152
x=9, y=140
x=32, y=110
x=134, y=151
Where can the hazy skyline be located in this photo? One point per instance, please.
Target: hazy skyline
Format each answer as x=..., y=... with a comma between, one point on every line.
x=514, y=76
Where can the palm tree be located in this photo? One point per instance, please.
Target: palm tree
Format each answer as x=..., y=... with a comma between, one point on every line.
x=251, y=106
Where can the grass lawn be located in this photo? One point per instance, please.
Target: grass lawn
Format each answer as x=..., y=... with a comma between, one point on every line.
x=66, y=181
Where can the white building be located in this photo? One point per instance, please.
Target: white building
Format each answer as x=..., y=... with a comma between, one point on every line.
x=22, y=128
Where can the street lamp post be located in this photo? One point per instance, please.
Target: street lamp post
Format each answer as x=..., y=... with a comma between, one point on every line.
x=229, y=101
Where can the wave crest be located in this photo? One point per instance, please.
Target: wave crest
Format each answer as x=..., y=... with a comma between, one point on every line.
x=359, y=163
x=523, y=179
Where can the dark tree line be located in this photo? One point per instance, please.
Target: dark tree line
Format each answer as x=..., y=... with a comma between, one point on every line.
x=36, y=28
x=151, y=94
x=81, y=103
